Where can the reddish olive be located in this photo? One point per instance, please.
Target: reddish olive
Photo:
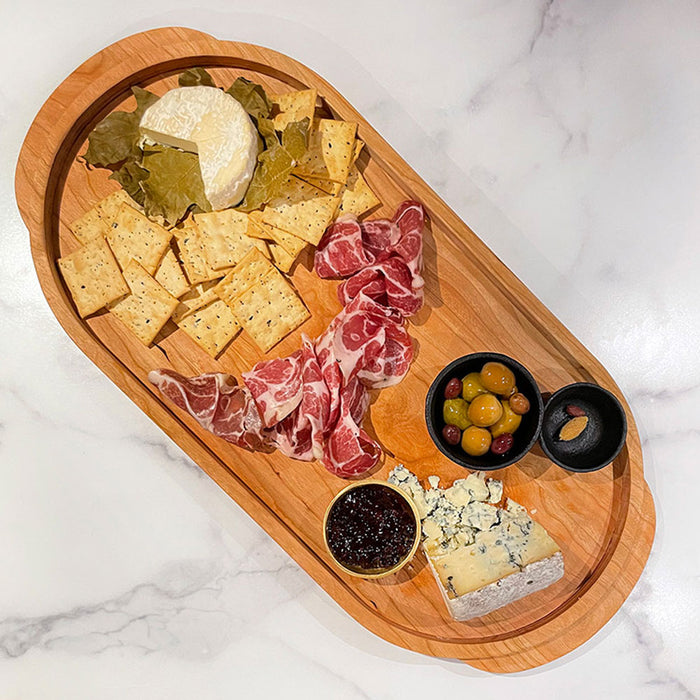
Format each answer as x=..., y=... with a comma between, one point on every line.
x=502, y=444
x=575, y=411
x=451, y=434
x=519, y=404
x=453, y=388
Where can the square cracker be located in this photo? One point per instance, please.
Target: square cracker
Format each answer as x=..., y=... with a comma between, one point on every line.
x=224, y=237
x=198, y=296
x=93, y=277
x=356, y=197
x=301, y=209
x=359, y=145
x=291, y=243
x=249, y=272
x=330, y=152
x=281, y=258
x=110, y=205
x=327, y=186
x=269, y=310
x=97, y=221
x=192, y=254
x=132, y=236
x=212, y=327
x=89, y=226
x=149, y=306
x=293, y=107
x=170, y=275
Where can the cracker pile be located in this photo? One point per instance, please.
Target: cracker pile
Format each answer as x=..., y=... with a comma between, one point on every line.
x=223, y=271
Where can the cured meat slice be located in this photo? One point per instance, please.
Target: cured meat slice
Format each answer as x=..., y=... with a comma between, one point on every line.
x=368, y=341
x=218, y=404
x=410, y=218
x=340, y=252
x=379, y=237
x=381, y=258
x=276, y=386
x=302, y=434
x=389, y=283
x=391, y=365
x=349, y=450
x=330, y=369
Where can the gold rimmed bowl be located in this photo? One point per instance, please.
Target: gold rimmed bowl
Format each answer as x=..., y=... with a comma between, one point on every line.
x=371, y=529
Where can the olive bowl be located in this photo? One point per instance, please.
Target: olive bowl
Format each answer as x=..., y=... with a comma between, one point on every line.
x=379, y=572
x=523, y=438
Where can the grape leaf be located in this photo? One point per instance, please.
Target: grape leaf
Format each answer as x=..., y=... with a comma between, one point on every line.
x=130, y=176
x=252, y=98
x=116, y=137
x=275, y=163
x=195, y=76
x=174, y=183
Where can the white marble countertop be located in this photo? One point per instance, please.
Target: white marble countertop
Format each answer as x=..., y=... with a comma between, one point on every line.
x=566, y=135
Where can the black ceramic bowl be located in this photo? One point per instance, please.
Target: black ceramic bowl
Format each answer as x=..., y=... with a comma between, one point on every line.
x=523, y=439
x=599, y=443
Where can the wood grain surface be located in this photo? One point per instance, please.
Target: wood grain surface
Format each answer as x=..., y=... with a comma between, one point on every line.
x=603, y=521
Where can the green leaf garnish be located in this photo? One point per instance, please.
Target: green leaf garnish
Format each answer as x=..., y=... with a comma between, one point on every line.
x=130, y=176
x=252, y=97
x=195, y=76
x=116, y=138
x=174, y=183
x=275, y=163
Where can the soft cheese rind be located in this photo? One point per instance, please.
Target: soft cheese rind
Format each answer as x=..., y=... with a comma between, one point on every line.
x=207, y=121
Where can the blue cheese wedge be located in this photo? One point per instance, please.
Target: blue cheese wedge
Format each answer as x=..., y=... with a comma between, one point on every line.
x=207, y=121
x=482, y=554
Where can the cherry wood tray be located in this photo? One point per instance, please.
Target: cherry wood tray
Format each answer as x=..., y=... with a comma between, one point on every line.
x=603, y=521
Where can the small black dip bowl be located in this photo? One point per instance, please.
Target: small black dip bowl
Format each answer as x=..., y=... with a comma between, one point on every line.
x=599, y=443
x=523, y=438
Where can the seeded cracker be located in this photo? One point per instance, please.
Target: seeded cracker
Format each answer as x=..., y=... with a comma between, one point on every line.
x=282, y=259
x=302, y=210
x=327, y=186
x=170, y=275
x=293, y=107
x=356, y=197
x=212, y=327
x=192, y=254
x=359, y=145
x=291, y=243
x=200, y=295
x=224, y=237
x=132, y=236
x=146, y=310
x=269, y=310
x=96, y=222
x=110, y=205
x=250, y=271
x=93, y=277
x=329, y=154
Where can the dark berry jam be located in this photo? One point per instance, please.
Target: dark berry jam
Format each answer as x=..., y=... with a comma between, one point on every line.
x=370, y=527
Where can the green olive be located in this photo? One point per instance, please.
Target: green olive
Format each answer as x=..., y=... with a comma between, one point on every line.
x=454, y=412
x=472, y=386
x=509, y=421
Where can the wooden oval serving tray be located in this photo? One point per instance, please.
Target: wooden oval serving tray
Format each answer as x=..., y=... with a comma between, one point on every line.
x=604, y=521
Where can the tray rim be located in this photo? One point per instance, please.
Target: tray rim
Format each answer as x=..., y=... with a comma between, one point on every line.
x=182, y=43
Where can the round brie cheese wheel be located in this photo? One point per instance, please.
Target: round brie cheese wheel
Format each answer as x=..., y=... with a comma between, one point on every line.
x=211, y=123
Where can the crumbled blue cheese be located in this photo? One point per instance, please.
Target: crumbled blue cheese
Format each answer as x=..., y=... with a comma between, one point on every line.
x=451, y=517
